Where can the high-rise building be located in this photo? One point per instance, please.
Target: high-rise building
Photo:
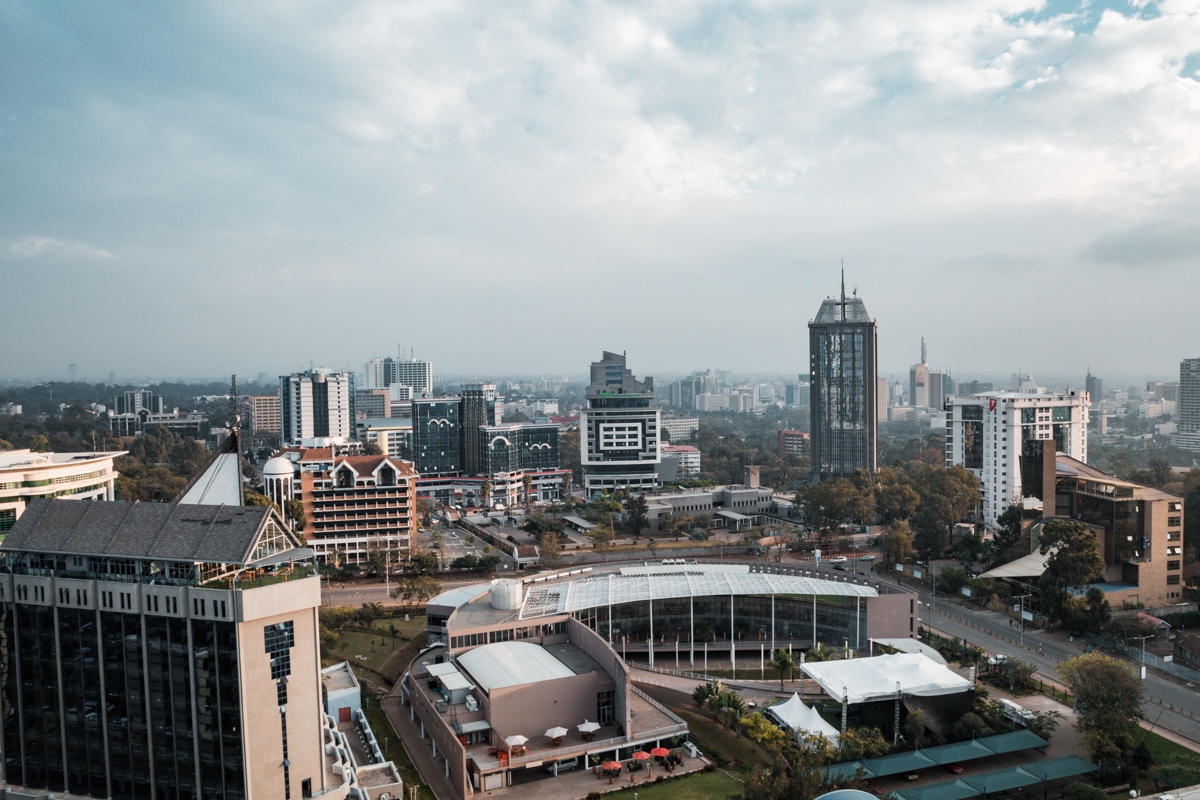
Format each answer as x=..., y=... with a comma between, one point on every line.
x=679, y=429
x=480, y=406
x=372, y=404
x=380, y=373
x=1094, y=386
x=316, y=404
x=881, y=396
x=142, y=660
x=1188, y=406
x=926, y=386
x=842, y=373
x=264, y=413
x=987, y=434
x=517, y=447
x=618, y=442
x=437, y=438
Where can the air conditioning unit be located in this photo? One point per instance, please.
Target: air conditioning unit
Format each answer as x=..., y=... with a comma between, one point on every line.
x=471, y=703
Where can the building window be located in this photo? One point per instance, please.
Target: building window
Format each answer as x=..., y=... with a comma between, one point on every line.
x=1172, y=580
x=1172, y=565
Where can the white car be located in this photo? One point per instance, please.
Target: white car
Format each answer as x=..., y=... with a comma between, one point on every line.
x=838, y=560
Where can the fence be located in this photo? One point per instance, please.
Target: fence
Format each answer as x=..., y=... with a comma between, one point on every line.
x=1149, y=659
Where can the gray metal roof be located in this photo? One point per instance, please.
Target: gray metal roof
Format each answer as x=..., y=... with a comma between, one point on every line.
x=221, y=534
x=219, y=484
x=831, y=311
x=495, y=666
x=673, y=582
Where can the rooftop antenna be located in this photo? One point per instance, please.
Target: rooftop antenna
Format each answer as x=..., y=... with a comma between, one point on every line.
x=922, y=349
x=843, y=290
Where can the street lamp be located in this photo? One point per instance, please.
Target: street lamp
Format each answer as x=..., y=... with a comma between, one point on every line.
x=1144, y=638
x=1021, y=621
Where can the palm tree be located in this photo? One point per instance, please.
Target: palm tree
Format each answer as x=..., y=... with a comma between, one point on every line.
x=713, y=706
x=735, y=711
x=486, y=491
x=393, y=631
x=527, y=481
x=819, y=653
x=567, y=488
x=703, y=691
x=783, y=661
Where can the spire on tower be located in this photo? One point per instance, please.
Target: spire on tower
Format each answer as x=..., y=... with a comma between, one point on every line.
x=922, y=349
x=843, y=291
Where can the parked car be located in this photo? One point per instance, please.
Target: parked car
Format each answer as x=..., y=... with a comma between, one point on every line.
x=954, y=769
x=563, y=766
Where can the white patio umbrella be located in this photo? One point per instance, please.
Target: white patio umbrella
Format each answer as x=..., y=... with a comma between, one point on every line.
x=515, y=741
x=556, y=733
x=589, y=727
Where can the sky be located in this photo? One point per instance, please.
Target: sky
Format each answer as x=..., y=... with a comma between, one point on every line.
x=206, y=188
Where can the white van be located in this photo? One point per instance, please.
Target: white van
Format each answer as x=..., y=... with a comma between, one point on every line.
x=1016, y=713
x=559, y=767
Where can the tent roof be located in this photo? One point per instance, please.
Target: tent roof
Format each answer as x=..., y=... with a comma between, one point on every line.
x=867, y=679
x=800, y=717
x=905, y=645
x=899, y=762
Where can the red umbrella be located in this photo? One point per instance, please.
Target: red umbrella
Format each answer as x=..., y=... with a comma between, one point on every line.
x=611, y=765
x=641, y=755
x=659, y=752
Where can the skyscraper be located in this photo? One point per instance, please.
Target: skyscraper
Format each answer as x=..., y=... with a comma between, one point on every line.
x=618, y=441
x=480, y=406
x=1189, y=406
x=843, y=389
x=317, y=404
x=1094, y=386
x=381, y=373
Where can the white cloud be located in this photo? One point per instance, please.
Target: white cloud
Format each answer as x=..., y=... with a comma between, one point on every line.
x=38, y=245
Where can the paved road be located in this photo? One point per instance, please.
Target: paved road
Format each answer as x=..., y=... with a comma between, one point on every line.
x=992, y=632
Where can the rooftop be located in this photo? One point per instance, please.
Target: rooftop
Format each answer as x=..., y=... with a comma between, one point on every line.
x=866, y=679
x=221, y=534
x=832, y=311
x=496, y=666
x=339, y=677
x=219, y=484
x=25, y=459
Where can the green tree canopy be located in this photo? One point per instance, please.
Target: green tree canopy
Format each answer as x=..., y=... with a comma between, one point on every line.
x=1074, y=561
x=1108, y=701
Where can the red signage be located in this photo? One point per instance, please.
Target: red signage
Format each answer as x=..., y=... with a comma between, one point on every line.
x=992, y=404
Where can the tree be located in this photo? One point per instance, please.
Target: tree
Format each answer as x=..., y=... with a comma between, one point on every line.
x=371, y=448
x=602, y=538
x=527, y=485
x=913, y=728
x=259, y=501
x=734, y=708
x=294, y=510
x=969, y=726
x=929, y=538
x=1090, y=614
x=567, y=496
x=549, y=550
x=425, y=562
x=968, y=549
x=764, y=733
x=897, y=546
x=951, y=580
x=829, y=505
x=652, y=546
x=858, y=743
x=370, y=612
x=895, y=497
x=1074, y=561
x=783, y=661
x=636, y=511
x=703, y=691
x=417, y=590
x=485, y=494
x=1108, y=701
x=1008, y=534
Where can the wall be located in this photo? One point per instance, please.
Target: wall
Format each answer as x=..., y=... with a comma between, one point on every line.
x=591, y=643
x=892, y=616
x=535, y=707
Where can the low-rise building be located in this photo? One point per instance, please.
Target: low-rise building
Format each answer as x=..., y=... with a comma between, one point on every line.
x=793, y=443
x=689, y=460
x=679, y=429
x=393, y=436
x=26, y=476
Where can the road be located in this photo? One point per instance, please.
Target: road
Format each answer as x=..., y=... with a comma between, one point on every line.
x=993, y=633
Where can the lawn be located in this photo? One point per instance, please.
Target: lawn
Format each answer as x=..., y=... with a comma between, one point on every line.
x=715, y=785
x=386, y=658
x=1164, y=750
x=723, y=744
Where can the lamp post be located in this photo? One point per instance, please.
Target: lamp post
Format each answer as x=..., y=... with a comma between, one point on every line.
x=1021, y=621
x=1144, y=638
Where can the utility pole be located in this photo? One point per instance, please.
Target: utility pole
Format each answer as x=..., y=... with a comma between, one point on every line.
x=1021, y=621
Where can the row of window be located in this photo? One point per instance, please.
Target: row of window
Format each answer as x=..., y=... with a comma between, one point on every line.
x=509, y=635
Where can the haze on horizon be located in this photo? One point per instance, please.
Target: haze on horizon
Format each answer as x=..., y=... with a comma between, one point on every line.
x=212, y=188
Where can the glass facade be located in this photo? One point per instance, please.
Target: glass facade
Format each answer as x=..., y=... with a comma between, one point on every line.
x=437, y=443
x=708, y=619
x=138, y=693
x=523, y=448
x=843, y=396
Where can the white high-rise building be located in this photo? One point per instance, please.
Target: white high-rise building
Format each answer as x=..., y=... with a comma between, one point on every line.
x=317, y=404
x=383, y=373
x=1188, y=405
x=985, y=434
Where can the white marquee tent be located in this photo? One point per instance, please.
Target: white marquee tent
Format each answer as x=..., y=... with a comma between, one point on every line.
x=867, y=679
x=802, y=719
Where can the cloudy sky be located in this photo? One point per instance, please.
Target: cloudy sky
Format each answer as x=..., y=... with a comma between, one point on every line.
x=198, y=189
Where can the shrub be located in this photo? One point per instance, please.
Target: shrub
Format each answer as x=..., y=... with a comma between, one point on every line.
x=1082, y=791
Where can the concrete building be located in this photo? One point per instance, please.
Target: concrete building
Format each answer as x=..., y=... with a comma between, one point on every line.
x=1094, y=387
x=619, y=447
x=372, y=404
x=26, y=476
x=987, y=434
x=731, y=506
x=793, y=443
x=393, y=436
x=520, y=658
x=1188, y=436
x=382, y=373
x=352, y=504
x=712, y=402
x=135, y=401
x=677, y=428
x=437, y=436
x=842, y=372
x=263, y=412
x=10, y=409
x=162, y=651
x=689, y=460
x=517, y=447
x=318, y=403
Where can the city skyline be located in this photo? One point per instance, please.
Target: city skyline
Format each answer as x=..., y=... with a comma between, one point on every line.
x=224, y=177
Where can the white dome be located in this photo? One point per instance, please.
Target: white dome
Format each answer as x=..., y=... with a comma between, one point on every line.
x=278, y=467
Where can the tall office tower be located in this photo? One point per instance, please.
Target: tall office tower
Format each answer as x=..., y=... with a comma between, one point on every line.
x=618, y=442
x=1094, y=386
x=842, y=373
x=141, y=661
x=316, y=404
x=134, y=402
x=380, y=373
x=937, y=389
x=1188, y=436
x=436, y=435
x=949, y=386
x=987, y=434
x=480, y=406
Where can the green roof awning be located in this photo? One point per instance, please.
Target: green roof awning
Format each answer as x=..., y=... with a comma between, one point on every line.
x=1012, y=742
x=960, y=751
x=898, y=763
x=950, y=790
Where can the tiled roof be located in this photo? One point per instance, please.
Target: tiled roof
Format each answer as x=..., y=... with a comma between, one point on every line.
x=365, y=465
x=222, y=534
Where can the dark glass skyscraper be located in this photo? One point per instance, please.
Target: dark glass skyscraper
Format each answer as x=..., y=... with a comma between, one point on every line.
x=843, y=388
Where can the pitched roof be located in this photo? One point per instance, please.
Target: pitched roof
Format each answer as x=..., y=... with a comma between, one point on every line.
x=366, y=465
x=831, y=311
x=222, y=534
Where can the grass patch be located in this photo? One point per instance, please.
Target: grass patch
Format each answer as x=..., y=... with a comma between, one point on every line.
x=385, y=657
x=724, y=745
x=1164, y=750
x=395, y=750
x=714, y=785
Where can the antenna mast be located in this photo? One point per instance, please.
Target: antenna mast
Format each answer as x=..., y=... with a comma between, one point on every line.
x=843, y=290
